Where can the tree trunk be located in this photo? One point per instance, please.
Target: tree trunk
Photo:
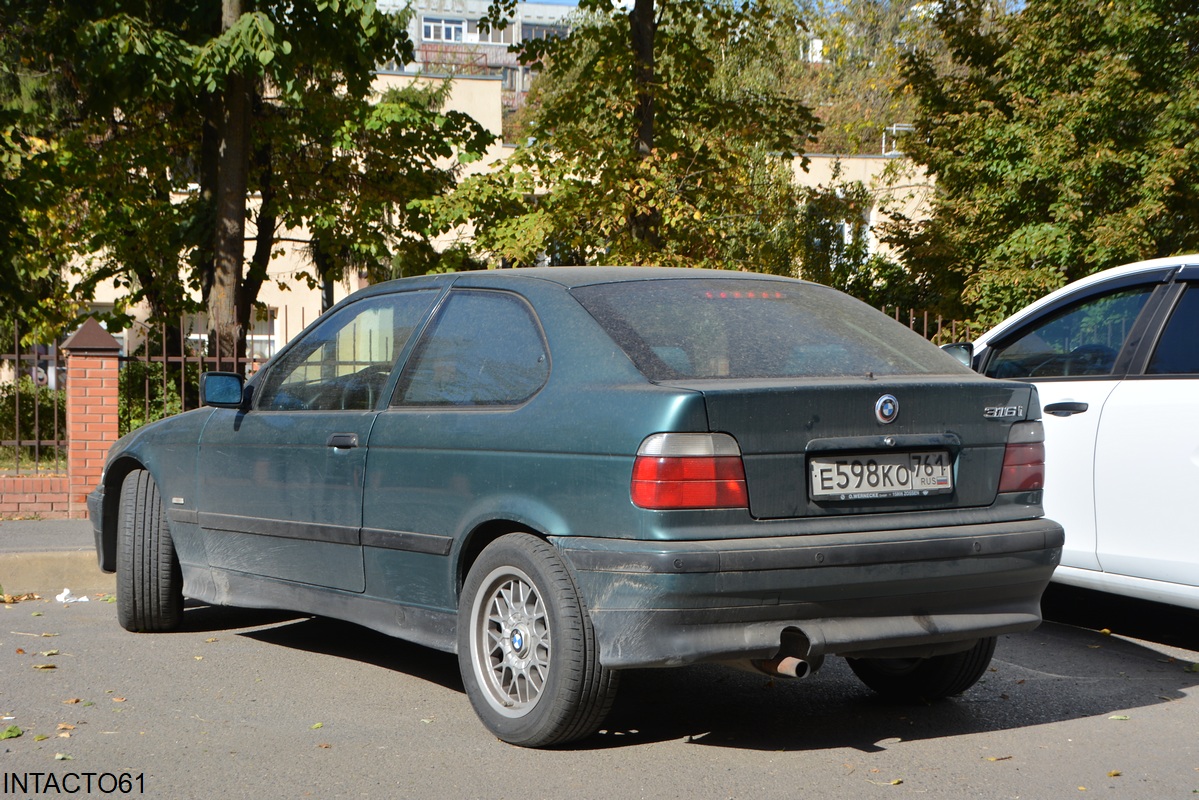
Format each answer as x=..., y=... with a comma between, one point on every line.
x=264, y=239
x=643, y=224
x=641, y=36
x=226, y=337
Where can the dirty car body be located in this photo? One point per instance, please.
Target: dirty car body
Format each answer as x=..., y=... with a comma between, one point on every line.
x=562, y=473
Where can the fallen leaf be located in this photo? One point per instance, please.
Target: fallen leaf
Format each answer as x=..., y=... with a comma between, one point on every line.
x=1106, y=631
x=1191, y=668
x=48, y=653
x=11, y=732
x=118, y=699
x=72, y=701
x=65, y=726
x=64, y=735
x=212, y=639
x=36, y=614
x=45, y=666
x=63, y=757
x=999, y=758
x=427, y=720
x=1115, y=773
x=112, y=598
x=20, y=651
x=1120, y=717
x=199, y=658
x=41, y=737
x=325, y=746
x=317, y=725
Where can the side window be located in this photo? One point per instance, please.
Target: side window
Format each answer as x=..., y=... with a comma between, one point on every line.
x=1177, y=352
x=344, y=363
x=1081, y=340
x=485, y=349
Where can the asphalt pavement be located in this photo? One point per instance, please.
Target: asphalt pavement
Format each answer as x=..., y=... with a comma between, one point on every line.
x=48, y=556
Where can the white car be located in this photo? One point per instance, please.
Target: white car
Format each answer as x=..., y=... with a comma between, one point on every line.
x=1115, y=358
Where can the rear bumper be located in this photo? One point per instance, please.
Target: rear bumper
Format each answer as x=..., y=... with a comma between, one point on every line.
x=890, y=593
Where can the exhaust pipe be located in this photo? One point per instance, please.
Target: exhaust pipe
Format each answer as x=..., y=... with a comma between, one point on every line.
x=787, y=666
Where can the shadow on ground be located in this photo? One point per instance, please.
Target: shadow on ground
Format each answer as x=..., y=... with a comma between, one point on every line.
x=1124, y=616
x=1066, y=669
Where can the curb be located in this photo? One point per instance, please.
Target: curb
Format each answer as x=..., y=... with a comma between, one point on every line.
x=51, y=572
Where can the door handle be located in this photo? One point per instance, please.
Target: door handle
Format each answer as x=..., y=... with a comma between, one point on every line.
x=342, y=441
x=1065, y=409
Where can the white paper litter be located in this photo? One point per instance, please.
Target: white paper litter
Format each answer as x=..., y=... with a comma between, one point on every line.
x=68, y=597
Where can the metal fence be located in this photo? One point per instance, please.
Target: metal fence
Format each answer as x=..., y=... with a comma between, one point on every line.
x=33, y=437
x=932, y=326
x=160, y=372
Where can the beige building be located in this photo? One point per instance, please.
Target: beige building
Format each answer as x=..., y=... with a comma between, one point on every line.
x=896, y=184
x=450, y=40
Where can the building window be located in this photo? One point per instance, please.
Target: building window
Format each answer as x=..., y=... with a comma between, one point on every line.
x=493, y=36
x=529, y=31
x=443, y=30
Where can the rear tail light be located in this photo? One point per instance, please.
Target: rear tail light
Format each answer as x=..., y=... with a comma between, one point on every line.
x=689, y=470
x=1024, y=458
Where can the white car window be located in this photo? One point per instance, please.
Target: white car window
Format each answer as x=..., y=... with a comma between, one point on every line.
x=1177, y=352
x=1082, y=340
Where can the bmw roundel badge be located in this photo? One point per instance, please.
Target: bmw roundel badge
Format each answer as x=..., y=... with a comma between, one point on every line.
x=886, y=409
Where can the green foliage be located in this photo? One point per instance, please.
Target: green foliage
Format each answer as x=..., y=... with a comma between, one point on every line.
x=89, y=89
x=848, y=64
x=1062, y=141
x=150, y=390
x=702, y=190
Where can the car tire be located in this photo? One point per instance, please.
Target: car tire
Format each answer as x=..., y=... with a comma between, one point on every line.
x=149, y=579
x=526, y=647
x=926, y=678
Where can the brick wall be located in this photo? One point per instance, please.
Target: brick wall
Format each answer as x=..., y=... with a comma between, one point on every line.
x=23, y=496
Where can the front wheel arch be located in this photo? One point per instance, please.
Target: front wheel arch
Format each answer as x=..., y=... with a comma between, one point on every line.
x=114, y=479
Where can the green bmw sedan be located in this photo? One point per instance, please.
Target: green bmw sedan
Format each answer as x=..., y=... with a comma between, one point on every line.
x=566, y=472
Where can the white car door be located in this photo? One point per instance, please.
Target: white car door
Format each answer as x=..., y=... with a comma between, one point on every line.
x=1147, y=460
x=1071, y=353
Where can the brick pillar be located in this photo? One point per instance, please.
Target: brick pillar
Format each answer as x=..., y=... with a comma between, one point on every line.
x=92, y=373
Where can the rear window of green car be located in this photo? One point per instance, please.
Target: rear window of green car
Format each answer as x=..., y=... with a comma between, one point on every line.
x=739, y=329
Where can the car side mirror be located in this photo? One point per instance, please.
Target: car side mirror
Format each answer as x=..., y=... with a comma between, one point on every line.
x=222, y=389
x=962, y=351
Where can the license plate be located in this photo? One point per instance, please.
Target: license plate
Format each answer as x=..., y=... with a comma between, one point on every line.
x=854, y=477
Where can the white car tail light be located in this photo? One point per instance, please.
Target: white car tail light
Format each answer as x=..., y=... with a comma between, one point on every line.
x=1024, y=458
x=689, y=470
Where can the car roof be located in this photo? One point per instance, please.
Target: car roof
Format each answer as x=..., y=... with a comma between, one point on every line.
x=1162, y=267
x=569, y=277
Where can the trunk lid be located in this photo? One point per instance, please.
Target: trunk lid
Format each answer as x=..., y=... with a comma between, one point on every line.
x=785, y=428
